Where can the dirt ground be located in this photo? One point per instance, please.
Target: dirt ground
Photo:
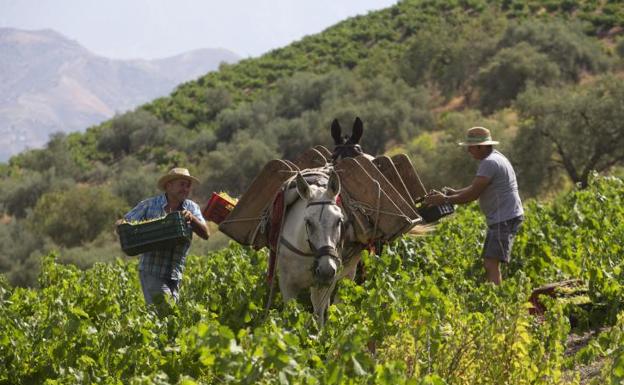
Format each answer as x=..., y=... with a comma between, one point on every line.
x=587, y=372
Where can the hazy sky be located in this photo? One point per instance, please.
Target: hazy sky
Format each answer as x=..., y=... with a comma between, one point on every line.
x=150, y=29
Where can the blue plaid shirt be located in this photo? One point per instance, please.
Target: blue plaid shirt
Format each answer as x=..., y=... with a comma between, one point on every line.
x=166, y=263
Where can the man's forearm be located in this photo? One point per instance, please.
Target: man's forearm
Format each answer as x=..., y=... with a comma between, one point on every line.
x=461, y=190
x=199, y=227
x=464, y=195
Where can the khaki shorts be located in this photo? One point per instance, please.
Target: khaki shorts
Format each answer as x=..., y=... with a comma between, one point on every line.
x=499, y=239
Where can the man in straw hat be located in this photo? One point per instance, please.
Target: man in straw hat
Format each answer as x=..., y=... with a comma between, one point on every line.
x=160, y=271
x=496, y=188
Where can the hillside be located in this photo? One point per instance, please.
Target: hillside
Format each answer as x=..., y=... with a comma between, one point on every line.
x=50, y=84
x=546, y=78
x=377, y=39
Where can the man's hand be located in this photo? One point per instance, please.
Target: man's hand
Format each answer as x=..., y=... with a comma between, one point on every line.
x=198, y=227
x=117, y=223
x=435, y=198
x=188, y=216
x=449, y=191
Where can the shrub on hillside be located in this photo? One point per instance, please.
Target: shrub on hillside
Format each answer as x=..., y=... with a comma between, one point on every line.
x=130, y=131
x=56, y=154
x=437, y=157
x=246, y=116
x=538, y=52
x=302, y=92
x=232, y=166
x=134, y=181
x=76, y=215
x=565, y=43
x=449, y=54
x=509, y=71
x=619, y=48
x=215, y=101
x=21, y=193
x=293, y=136
x=576, y=129
x=17, y=242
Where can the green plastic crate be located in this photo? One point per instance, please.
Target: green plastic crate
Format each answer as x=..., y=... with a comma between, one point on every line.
x=163, y=233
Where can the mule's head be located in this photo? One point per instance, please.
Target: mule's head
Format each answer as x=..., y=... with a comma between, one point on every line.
x=324, y=223
x=347, y=146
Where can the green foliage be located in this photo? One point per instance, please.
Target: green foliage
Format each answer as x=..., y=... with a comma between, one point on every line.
x=104, y=248
x=129, y=132
x=56, y=155
x=563, y=42
x=450, y=53
x=232, y=166
x=509, y=71
x=389, y=108
x=436, y=155
x=216, y=100
x=401, y=69
x=21, y=192
x=620, y=48
x=287, y=123
x=499, y=60
x=19, y=259
x=302, y=92
x=422, y=316
x=134, y=182
x=77, y=215
x=577, y=128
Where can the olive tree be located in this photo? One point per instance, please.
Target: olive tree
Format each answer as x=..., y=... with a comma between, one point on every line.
x=76, y=215
x=564, y=42
x=127, y=133
x=233, y=165
x=438, y=158
x=450, y=53
x=508, y=73
x=577, y=129
x=537, y=52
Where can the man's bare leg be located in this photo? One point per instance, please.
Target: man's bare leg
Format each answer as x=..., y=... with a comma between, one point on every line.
x=492, y=270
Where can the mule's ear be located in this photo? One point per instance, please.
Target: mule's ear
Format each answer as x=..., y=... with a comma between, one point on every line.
x=358, y=130
x=303, y=188
x=336, y=131
x=333, y=185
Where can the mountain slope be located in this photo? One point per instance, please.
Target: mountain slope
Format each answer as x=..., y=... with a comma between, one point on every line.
x=377, y=39
x=49, y=83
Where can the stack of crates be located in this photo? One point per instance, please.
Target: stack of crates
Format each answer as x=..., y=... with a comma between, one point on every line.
x=163, y=233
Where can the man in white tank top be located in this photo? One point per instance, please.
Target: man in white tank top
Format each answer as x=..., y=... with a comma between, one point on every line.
x=496, y=188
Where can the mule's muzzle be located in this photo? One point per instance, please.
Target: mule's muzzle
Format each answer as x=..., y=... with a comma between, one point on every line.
x=324, y=275
x=328, y=261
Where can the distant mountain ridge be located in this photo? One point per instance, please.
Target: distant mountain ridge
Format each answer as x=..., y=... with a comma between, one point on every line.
x=49, y=83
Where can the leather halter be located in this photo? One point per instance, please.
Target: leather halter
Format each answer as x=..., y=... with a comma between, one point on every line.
x=317, y=252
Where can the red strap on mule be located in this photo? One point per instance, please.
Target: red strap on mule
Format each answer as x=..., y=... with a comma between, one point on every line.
x=277, y=214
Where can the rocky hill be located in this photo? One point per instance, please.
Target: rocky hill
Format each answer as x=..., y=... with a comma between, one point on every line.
x=49, y=83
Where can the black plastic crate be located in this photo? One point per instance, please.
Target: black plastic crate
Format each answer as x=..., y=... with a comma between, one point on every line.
x=163, y=233
x=432, y=214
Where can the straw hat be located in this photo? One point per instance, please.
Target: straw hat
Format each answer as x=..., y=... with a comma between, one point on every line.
x=176, y=173
x=478, y=136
